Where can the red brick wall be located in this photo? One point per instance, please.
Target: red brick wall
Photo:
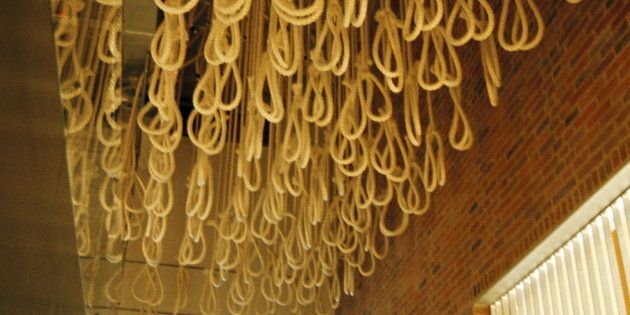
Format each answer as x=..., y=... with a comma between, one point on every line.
x=562, y=129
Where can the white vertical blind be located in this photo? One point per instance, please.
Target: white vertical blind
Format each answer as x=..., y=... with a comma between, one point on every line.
x=504, y=306
x=590, y=274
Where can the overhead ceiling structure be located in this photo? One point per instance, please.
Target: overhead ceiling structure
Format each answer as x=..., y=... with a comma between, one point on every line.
x=303, y=132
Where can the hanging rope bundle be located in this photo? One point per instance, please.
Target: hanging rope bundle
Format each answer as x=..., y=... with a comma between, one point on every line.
x=87, y=36
x=302, y=166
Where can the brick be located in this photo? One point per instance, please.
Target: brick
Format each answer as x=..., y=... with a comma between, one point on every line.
x=562, y=128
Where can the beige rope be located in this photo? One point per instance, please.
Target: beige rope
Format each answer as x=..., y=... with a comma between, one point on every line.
x=182, y=290
x=520, y=32
x=230, y=11
x=298, y=16
x=491, y=68
x=444, y=69
x=461, y=9
x=354, y=14
x=273, y=112
x=315, y=141
x=459, y=124
x=386, y=38
x=152, y=292
x=339, y=55
x=420, y=16
x=113, y=286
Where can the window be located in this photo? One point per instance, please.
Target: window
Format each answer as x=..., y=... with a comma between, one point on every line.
x=589, y=274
